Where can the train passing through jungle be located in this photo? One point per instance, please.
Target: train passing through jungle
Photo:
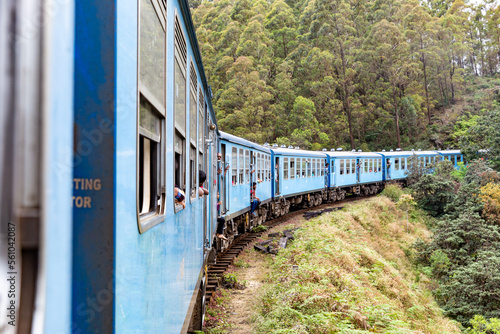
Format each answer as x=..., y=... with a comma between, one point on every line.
x=116, y=176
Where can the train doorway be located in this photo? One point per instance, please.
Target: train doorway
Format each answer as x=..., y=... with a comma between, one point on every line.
x=358, y=170
x=277, y=189
x=222, y=179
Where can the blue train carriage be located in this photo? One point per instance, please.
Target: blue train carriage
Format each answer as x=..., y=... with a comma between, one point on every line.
x=144, y=126
x=396, y=164
x=298, y=179
x=354, y=172
x=242, y=164
x=455, y=156
x=36, y=126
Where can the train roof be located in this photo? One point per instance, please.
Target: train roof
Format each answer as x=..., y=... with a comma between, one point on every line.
x=193, y=40
x=297, y=152
x=407, y=153
x=343, y=154
x=237, y=140
x=445, y=152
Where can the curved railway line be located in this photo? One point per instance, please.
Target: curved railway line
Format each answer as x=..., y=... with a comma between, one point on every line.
x=227, y=257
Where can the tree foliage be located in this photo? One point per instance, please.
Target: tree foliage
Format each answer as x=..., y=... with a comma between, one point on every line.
x=380, y=74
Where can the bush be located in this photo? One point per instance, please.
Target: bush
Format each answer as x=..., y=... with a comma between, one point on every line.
x=490, y=194
x=393, y=191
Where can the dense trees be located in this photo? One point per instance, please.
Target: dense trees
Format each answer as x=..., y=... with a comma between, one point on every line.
x=374, y=74
x=463, y=252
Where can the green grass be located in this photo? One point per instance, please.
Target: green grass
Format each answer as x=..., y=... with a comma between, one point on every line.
x=353, y=276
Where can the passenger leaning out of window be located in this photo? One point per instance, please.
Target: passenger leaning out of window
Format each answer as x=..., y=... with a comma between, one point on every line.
x=202, y=177
x=219, y=163
x=255, y=200
x=179, y=197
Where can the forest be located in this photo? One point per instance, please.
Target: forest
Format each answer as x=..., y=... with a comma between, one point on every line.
x=356, y=74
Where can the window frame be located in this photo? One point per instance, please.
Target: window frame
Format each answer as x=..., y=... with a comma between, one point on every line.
x=234, y=166
x=285, y=168
x=156, y=161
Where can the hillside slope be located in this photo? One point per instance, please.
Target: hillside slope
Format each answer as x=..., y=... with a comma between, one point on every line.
x=353, y=276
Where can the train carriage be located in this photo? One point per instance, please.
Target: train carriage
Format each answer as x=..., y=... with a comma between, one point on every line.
x=36, y=167
x=246, y=163
x=396, y=164
x=142, y=96
x=298, y=178
x=455, y=156
x=356, y=172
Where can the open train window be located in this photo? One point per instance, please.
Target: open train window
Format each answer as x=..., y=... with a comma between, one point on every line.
x=322, y=168
x=304, y=167
x=242, y=163
x=285, y=168
x=258, y=167
x=180, y=63
x=193, y=153
x=396, y=164
x=151, y=117
x=268, y=168
x=348, y=166
x=234, y=166
x=341, y=172
x=403, y=163
x=201, y=129
x=247, y=166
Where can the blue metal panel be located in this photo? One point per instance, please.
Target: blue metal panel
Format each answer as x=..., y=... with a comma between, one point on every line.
x=93, y=230
x=157, y=271
x=299, y=184
x=238, y=194
x=57, y=237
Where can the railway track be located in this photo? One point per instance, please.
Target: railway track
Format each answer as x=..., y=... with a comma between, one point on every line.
x=227, y=257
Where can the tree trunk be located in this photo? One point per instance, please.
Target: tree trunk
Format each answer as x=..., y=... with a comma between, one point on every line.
x=426, y=90
x=397, y=116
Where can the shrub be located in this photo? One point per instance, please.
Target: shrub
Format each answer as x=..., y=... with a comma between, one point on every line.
x=490, y=194
x=393, y=191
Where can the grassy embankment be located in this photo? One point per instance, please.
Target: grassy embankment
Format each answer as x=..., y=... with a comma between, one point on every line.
x=353, y=276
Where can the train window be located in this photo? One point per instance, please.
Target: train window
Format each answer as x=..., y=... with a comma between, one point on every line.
x=341, y=166
x=403, y=163
x=292, y=168
x=241, y=162
x=304, y=166
x=348, y=166
x=234, y=164
x=318, y=167
x=322, y=168
x=308, y=167
x=193, y=131
x=201, y=129
x=151, y=117
x=247, y=166
x=258, y=166
x=269, y=167
x=396, y=164
x=365, y=161
x=285, y=168
x=180, y=62
x=353, y=166
x=313, y=167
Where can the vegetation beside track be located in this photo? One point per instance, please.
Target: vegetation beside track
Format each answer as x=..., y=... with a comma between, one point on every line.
x=352, y=275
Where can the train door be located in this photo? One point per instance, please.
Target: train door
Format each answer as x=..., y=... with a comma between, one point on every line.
x=277, y=189
x=358, y=170
x=388, y=168
x=223, y=180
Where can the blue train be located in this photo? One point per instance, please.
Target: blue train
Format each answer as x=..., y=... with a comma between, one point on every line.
x=114, y=171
